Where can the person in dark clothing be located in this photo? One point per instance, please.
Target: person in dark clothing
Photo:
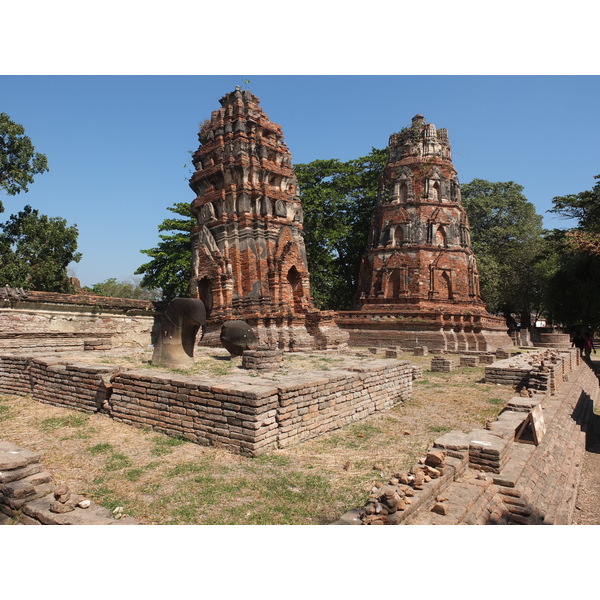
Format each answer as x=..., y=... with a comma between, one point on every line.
x=578, y=342
x=588, y=346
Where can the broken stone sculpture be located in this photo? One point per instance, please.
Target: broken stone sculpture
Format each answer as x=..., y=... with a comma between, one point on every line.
x=237, y=336
x=176, y=339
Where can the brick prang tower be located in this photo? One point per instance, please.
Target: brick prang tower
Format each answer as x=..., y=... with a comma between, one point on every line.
x=249, y=258
x=418, y=282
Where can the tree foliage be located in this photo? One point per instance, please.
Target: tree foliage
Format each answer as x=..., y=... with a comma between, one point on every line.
x=132, y=288
x=170, y=269
x=574, y=298
x=35, y=251
x=19, y=161
x=338, y=199
x=514, y=257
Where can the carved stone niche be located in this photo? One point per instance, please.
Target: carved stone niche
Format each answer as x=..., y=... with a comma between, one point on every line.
x=176, y=339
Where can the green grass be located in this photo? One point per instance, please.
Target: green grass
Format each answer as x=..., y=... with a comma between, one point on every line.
x=164, y=444
x=105, y=495
x=439, y=428
x=185, y=469
x=496, y=401
x=101, y=448
x=5, y=412
x=54, y=423
x=117, y=462
x=272, y=459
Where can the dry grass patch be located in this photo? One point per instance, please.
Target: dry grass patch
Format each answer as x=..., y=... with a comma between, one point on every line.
x=163, y=480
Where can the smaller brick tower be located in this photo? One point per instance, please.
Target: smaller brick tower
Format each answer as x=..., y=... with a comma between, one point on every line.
x=249, y=259
x=418, y=283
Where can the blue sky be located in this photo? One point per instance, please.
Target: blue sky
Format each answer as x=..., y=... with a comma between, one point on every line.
x=117, y=145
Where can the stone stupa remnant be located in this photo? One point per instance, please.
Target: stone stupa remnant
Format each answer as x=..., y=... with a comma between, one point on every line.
x=418, y=283
x=249, y=259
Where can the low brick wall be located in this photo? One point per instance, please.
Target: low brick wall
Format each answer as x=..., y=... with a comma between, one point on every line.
x=243, y=413
x=84, y=387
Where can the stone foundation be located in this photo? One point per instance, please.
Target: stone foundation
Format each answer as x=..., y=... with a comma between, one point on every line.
x=543, y=370
x=439, y=332
x=443, y=365
x=242, y=413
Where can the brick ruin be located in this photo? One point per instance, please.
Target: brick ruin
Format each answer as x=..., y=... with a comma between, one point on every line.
x=498, y=475
x=418, y=282
x=418, y=288
x=249, y=258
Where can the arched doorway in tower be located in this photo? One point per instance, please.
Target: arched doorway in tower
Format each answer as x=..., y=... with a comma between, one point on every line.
x=440, y=236
x=445, y=286
x=295, y=280
x=205, y=293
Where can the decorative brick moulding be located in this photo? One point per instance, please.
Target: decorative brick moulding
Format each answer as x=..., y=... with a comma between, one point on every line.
x=242, y=413
x=418, y=282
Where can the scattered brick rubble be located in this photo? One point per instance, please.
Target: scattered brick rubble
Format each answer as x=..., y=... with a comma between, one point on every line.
x=388, y=502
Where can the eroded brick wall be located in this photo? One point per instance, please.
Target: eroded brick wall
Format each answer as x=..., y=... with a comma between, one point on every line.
x=42, y=322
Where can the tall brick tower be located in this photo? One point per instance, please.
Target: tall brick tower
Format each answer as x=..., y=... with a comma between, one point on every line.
x=418, y=283
x=249, y=259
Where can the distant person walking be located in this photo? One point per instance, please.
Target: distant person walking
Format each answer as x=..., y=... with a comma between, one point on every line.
x=588, y=346
x=578, y=342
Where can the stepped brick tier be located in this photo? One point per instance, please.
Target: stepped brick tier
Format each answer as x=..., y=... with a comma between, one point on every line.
x=418, y=282
x=249, y=259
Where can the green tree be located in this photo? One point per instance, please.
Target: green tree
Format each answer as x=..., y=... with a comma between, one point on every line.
x=585, y=208
x=35, y=251
x=338, y=199
x=19, y=161
x=132, y=288
x=170, y=269
x=513, y=255
x=574, y=298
